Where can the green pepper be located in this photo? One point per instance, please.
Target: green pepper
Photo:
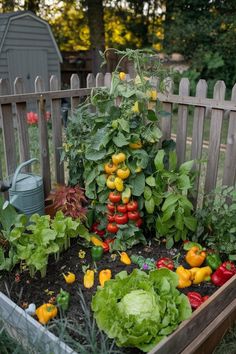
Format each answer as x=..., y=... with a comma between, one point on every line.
x=63, y=299
x=96, y=253
x=213, y=260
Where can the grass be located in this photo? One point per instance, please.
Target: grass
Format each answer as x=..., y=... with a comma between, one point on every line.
x=228, y=343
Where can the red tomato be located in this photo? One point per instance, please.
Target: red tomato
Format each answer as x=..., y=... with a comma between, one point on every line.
x=133, y=215
x=139, y=222
x=107, y=242
x=122, y=208
x=133, y=205
x=121, y=219
x=111, y=218
x=111, y=207
x=112, y=228
x=114, y=197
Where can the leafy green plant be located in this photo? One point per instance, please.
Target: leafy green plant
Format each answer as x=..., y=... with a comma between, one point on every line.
x=140, y=309
x=166, y=198
x=34, y=240
x=217, y=221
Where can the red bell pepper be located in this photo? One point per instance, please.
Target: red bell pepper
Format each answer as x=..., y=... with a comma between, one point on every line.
x=165, y=262
x=196, y=299
x=223, y=273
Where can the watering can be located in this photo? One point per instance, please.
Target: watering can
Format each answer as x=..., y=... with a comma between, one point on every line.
x=26, y=192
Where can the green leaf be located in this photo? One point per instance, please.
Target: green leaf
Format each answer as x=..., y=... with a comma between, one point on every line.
x=151, y=115
x=169, y=242
x=94, y=155
x=149, y=205
x=183, y=182
x=151, y=181
x=137, y=184
x=124, y=124
x=158, y=161
x=170, y=200
x=147, y=192
x=120, y=140
x=186, y=167
x=179, y=222
x=190, y=222
x=172, y=160
x=168, y=213
x=98, y=139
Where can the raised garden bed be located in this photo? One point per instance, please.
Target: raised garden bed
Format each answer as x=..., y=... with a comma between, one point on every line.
x=205, y=327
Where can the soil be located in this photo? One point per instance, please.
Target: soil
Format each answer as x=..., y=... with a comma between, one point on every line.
x=24, y=290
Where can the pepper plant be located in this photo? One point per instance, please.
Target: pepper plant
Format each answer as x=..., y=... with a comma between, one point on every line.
x=168, y=207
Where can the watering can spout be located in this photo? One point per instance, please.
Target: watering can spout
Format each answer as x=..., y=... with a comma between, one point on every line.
x=6, y=203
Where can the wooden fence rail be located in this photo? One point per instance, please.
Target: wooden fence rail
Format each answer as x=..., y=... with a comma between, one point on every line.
x=14, y=108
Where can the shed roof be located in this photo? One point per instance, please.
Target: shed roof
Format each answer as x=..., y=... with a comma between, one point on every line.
x=5, y=21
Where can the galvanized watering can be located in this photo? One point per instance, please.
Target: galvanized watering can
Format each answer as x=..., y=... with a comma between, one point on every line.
x=26, y=192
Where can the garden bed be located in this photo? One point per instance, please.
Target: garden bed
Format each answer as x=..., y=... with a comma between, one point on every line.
x=23, y=290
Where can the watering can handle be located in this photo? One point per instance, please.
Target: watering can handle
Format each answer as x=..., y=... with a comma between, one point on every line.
x=23, y=164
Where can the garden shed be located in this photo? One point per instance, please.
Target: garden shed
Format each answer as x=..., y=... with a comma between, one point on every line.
x=27, y=49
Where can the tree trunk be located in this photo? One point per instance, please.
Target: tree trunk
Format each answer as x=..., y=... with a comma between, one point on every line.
x=97, y=32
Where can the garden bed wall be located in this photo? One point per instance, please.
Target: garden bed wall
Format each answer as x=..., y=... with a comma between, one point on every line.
x=17, y=149
x=28, y=332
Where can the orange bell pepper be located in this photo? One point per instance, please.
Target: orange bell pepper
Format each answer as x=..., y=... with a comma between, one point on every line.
x=195, y=257
x=104, y=276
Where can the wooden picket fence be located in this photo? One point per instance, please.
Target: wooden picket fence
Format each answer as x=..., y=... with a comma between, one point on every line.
x=16, y=105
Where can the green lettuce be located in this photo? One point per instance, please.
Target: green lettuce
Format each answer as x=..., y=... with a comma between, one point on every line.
x=140, y=309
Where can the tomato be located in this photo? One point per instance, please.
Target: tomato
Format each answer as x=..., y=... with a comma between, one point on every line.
x=121, y=219
x=110, y=168
x=114, y=197
x=123, y=172
x=133, y=215
x=110, y=218
x=111, y=207
x=112, y=228
x=118, y=158
x=106, y=247
x=139, y=222
x=111, y=182
x=122, y=208
x=96, y=230
x=133, y=205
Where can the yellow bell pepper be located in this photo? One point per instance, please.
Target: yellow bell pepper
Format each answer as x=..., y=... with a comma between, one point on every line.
x=89, y=279
x=122, y=76
x=110, y=168
x=198, y=275
x=118, y=158
x=96, y=242
x=124, y=258
x=111, y=182
x=184, y=277
x=195, y=257
x=46, y=312
x=104, y=276
x=119, y=184
x=69, y=278
x=123, y=172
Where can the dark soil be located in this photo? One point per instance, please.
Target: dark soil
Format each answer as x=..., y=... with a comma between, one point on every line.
x=23, y=290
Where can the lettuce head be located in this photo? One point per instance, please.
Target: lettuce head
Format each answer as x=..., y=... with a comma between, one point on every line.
x=140, y=309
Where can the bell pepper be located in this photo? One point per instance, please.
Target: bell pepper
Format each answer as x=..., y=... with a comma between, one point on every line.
x=119, y=184
x=223, y=273
x=124, y=258
x=63, y=299
x=123, y=172
x=104, y=276
x=196, y=299
x=118, y=158
x=213, y=260
x=96, y=253
x=111, y=182
x=184, y=277
x=165, y=262
x=198, y=275
x=89, y=279
x=189, y=244
x=69, y=278
x=195, y=257
x=122, y=75
x=46, y=312
x=110, y=168
x=98, y=242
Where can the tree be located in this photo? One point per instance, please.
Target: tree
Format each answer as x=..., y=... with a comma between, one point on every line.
x=7, y=5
